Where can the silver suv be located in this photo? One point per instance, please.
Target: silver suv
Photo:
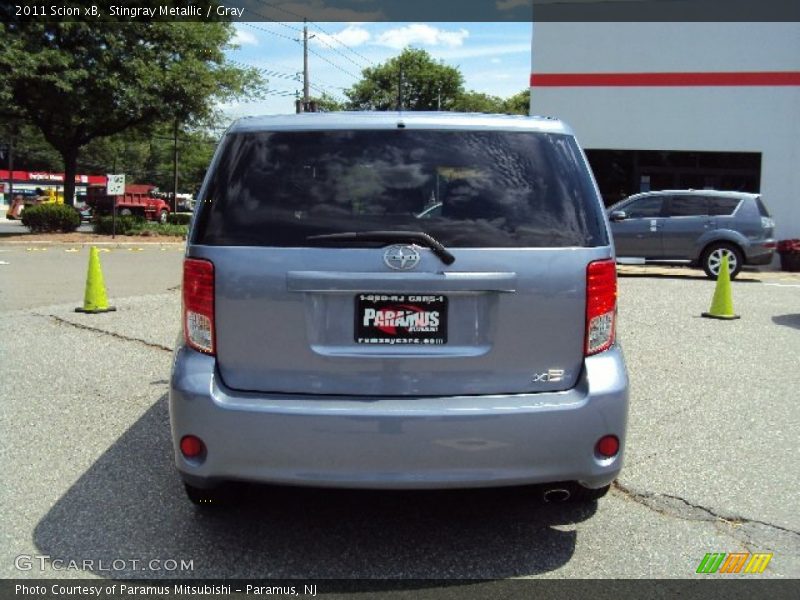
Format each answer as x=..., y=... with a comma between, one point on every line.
x=695, y=228
x=385, y=300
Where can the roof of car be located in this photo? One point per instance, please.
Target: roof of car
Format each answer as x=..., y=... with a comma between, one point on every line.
x=391, y=120
x=723, y=193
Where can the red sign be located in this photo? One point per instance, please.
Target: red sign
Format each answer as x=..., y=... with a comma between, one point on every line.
x=46, y=177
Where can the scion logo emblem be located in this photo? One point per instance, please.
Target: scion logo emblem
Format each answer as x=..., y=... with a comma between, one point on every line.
x=401, y=258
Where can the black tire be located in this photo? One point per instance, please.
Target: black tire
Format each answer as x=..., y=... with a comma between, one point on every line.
x=711, y=257
x=209, y=498
x=584, y=494
x=125, y=212
x=163, y=216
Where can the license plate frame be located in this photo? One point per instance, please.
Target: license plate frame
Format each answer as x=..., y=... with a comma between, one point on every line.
x=400, y=319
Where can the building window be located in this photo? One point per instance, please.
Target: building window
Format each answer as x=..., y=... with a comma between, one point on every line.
x=621, y=173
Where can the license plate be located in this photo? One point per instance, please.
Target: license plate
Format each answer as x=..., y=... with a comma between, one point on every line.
x=401, y=319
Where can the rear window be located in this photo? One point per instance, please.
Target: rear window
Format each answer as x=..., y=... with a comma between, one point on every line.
x=722, y=207
x=762, y=208
x=464, y=188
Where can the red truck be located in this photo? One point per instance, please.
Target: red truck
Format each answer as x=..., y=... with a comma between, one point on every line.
x=137, y=200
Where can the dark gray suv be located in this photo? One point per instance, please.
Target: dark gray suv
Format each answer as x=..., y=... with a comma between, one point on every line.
x=695, y=228
x=386, y=300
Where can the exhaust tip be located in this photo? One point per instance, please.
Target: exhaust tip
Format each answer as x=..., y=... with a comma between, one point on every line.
x=556, y=495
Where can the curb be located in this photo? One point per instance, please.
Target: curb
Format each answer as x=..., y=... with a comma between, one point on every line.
x=118, y=244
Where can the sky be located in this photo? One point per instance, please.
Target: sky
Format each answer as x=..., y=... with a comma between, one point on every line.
x=493, y=57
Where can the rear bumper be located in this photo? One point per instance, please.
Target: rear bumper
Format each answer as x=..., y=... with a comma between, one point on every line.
x=760, y=253
x=394, y=443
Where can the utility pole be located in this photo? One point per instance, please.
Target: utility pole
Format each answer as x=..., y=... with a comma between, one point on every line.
x=11, y=166
x=305, y=63
x=175, y=169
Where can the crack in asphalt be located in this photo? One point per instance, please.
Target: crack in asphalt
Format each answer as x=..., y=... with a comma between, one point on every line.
x=653, y=501
x=119, y=336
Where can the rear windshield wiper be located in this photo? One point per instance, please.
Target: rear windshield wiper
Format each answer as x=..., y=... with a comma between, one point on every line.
x=414, y=237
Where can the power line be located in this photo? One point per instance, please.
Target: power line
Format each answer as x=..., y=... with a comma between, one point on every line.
x=332, y=37
x=334, y=65
x=264, y=29
x=260, y=14
x=286, y=37
x=338, y=41
x=329, y=93
x=270, y=72
x=322, y=87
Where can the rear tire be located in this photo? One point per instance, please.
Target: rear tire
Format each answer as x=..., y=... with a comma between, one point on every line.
x=125, y=212
x=713, y=254
x=163, y=216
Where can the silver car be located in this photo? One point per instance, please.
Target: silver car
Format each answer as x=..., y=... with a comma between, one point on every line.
x=399, y=300
x=695, y=228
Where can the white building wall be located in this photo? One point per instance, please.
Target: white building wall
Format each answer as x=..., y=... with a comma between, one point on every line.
x=763, y=119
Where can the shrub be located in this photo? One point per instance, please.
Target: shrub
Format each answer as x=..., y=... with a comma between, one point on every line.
x=165, y=229
x=51, y=217
x=136, y=225
x=180, y=218
x=126, y=225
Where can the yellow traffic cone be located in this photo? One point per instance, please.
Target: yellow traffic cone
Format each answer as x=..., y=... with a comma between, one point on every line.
x=94, y=299
x=722, y=302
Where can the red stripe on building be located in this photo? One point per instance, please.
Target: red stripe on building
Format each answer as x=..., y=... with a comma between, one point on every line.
x=741, y=78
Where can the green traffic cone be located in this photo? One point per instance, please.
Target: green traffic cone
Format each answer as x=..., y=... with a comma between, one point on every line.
x=722, y=302
x=94, y=298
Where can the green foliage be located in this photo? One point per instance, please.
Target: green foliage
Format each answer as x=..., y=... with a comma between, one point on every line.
x=478, y=103
x=126, y=225
x=31, y=150
x=425, y=84
x=79, y=80
x=170, y=229
x=146, y=156
x=135, y=225
x=518, y=104
x=326, y=103
x=179, y=218
x=50, y=218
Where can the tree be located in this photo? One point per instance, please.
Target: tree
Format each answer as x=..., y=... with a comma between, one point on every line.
x=519, y=103
x=78, y=81
x=425, y=84
x=327, y=103
x=31, y=150
x=479, y=103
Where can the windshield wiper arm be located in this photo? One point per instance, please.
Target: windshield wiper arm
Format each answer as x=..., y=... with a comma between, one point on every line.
x=414, y=237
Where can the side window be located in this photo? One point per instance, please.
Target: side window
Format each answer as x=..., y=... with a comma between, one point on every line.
x=722, y=207
x=644, y=208
x=687, y=206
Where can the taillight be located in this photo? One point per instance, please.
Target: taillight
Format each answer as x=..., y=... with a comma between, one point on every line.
x=601, y=305
x=607, y=446
x=192, y=446
x=198, y=304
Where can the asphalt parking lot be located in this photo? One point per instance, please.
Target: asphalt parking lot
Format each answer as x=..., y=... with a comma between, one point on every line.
x=711, y=461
